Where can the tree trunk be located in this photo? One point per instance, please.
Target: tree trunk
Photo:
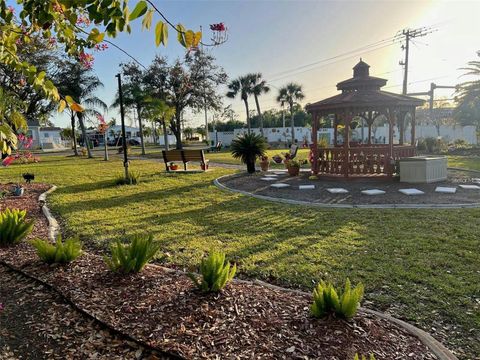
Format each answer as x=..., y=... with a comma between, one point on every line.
x=292, y=123
x=177, y=131
x=165, y=134
x=260, y=116
x=251, y=166
x=140, y=126
x=248, y=116
x=74, y=136
x=84, y=134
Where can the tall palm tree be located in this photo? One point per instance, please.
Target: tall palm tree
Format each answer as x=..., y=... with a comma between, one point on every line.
x=291, y=94
x=259, y=87
x=159, y=111
x=79, y=83
x=242, y=86
x=468, y=95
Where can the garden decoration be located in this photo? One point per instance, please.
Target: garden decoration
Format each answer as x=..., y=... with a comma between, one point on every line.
x=28, y=177
x=293, y=167
x=264, y=162
x=173, y=166
x=18, y=190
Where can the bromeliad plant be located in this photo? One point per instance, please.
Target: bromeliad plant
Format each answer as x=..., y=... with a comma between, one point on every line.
x=13, y=226
x=60, y=253
x=132, y=257
x=326, y=300
x=215, y=272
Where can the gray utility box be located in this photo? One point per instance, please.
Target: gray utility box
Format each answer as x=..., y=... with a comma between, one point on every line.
x=423, y=169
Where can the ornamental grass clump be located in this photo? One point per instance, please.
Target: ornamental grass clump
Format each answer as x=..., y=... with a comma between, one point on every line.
x=326, y=300
x=133, y=178
x=60, y=253
x=132, y=257
x=215, y=273
x=14, y=227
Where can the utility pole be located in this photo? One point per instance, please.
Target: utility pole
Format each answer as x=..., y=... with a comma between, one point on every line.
x=205, y=96
x=122, y=117
x=410, y=34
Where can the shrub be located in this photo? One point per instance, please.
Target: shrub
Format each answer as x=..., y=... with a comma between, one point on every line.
x=248, y=148
x=132, y=257
x=13, y=226
x=215, y=272
x=132, y=179
x=326, y=300
x=60, y=253
x=372, y=357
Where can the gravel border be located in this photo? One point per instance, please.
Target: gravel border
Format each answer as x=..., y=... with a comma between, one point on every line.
x=435, y=346
x=217, y=182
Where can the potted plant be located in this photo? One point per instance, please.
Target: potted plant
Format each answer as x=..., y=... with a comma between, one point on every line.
x=173, y=166
x=264, y=162
x=204, y=166
x=277, y=158
x=248, y=148
x=293, y=167
x=18, y=190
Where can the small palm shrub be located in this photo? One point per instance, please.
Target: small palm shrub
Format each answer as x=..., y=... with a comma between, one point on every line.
x=132, y=179
x=215, y=273
x=248, y=148
x=13, y=226
x=357, y=357
x=60, y=253
x=326, y=300
x=132, y=257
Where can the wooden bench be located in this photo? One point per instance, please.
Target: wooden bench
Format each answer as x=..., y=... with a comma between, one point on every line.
x=185, y=156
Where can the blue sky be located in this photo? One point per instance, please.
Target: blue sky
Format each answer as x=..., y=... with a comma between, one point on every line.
x=277, y=37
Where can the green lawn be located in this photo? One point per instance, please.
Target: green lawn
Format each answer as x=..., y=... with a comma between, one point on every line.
x=464, y=162
x=420, y=265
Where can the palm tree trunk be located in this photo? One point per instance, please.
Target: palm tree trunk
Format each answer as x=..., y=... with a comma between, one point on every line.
x=292, y=123
x=74, y=136
x=141, y=129
x=165, y=134
x=248, y=116
x=84, y=134
x=260, y=116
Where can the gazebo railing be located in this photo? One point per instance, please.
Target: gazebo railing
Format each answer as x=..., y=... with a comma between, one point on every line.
x=364, y=160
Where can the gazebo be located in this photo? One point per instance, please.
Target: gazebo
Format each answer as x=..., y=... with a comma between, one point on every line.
x=362, y=100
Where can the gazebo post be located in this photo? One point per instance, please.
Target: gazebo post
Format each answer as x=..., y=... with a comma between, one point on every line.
x=401, y=127
x=315, y=143
x=346, y=143
x=335, y=131
x=412, y=142
x=391, y=119
x=370, y=123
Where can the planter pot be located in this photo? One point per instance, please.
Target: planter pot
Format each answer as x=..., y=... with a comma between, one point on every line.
x=204, y=167
x=293, y=170
x=173, y=167
x=264, y=166
x=18, y=191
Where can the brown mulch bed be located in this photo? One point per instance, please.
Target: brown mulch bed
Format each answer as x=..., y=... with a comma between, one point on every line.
x=162, y=308
x=36, y=323
x=254, y=185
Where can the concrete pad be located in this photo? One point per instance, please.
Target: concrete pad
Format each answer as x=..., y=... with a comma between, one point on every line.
x=446, y=190
x=470, y=187
x=280, y=186
x=268, y=179
x=411, y=191
x=306, y=187
x=337, y=191
x=271, y=175
x=373, y=192
x=280, y=172
x=476, y=180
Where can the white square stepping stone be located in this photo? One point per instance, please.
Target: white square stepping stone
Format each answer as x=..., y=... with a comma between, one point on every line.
x=476, y=180
x=280, y=172
x=470, y=187
x=411, y=191
x=268, y=179
x=446, y=190
x=306, y=187
x=272, y=176
x=373, y=192
x=337, y=191
x=280, y=186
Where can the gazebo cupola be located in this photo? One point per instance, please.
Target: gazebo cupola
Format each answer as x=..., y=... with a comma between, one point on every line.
x=361, y=79
x=362, y=99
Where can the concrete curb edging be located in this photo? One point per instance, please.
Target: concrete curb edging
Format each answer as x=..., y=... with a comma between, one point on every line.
x=434, y=345
x=53, y=227
x=218, y=184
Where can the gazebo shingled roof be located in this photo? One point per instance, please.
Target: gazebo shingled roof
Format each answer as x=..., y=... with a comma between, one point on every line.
x=362, y=96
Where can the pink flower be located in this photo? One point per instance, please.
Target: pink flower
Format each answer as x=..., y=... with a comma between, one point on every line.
x=11, y=9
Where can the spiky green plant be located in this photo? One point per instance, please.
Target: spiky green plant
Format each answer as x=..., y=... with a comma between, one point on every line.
x=132, y=257
x=215, y=272
x=132, y=179
x=357, y=357
x=248, y=148
x=326, y=300
x=13, y=226
x=60, y=253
